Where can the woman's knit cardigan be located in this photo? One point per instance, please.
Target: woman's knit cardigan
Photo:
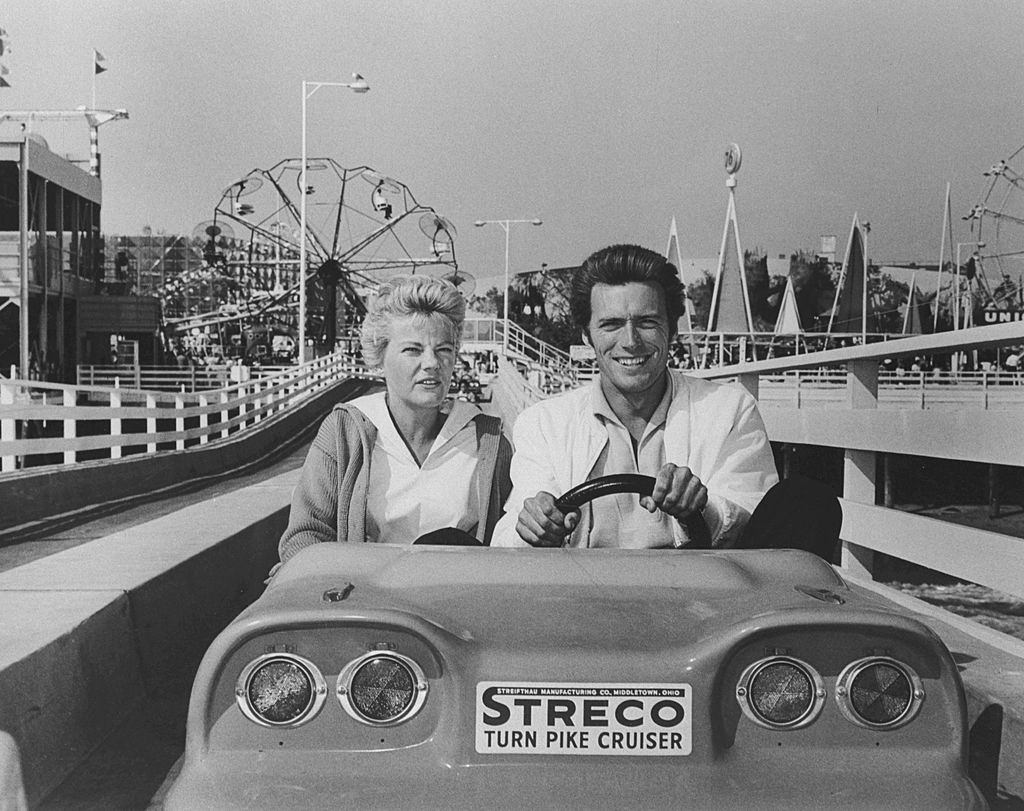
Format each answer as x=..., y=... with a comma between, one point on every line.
x=329, y=503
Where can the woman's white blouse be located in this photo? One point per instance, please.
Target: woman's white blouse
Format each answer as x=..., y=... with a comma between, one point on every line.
x=406, y=500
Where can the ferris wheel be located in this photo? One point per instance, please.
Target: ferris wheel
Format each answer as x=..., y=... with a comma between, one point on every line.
x=997, y=224
x=361, y=228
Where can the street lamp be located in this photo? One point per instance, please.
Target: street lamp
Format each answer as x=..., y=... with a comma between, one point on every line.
x=505, y=224
x=357, y=85
x=956, y=311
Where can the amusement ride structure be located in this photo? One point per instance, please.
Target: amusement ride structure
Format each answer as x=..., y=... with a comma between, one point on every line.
x=361, y=228
x=998, y=224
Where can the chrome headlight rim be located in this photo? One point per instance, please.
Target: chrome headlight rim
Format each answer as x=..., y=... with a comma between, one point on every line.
x=818, y=693
x=417, y=677
x=318, y=689
x=844, y=697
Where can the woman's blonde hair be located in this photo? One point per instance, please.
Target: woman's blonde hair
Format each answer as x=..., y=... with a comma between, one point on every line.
x=403, y=296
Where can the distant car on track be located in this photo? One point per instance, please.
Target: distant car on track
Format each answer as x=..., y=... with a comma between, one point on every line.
x=372, y=675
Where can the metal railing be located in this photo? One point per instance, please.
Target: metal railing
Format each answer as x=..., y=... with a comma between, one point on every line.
x=53, y=424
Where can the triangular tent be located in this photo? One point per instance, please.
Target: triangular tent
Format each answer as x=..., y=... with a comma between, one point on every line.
x=947, y=230
x=849, y=309
x=673, y=255
x=730, y=303
x=788, y=322
x=915, y=318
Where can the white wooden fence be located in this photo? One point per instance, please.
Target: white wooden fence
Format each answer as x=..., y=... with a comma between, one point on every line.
x=825, y=387
x=167, y=378
x=49, y=423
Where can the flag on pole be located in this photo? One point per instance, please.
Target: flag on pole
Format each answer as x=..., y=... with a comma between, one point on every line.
x=98, y=60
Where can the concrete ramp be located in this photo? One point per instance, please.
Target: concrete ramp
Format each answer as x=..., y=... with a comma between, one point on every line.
x=89, y=631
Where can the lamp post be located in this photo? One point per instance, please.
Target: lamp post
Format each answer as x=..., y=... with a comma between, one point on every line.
x=357, y=85
x=956, y=311
x=506, y=226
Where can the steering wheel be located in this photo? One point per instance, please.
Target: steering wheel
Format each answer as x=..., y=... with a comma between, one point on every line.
x=695, y=525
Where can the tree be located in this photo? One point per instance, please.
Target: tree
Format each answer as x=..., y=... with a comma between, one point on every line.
x=700, y=292
x=886, y=297
x=490, y=303
x=539, y=302
x=755, y=264
x=813, y=287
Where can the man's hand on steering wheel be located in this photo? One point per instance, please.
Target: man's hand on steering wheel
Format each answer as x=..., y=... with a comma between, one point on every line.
x=678, y=492
x=541, y=523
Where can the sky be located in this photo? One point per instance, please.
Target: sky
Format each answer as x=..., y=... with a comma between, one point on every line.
x=603, y=119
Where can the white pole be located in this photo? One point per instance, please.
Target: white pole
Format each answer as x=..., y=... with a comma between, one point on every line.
x=942, y=256
x=505, y=329
x=956, y=310
x=23, y=260
x=864, y=300
x=302, y=237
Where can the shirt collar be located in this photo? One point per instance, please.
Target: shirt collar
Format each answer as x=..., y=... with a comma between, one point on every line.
x=602, y=410
x=460, y=414
x=374, y=406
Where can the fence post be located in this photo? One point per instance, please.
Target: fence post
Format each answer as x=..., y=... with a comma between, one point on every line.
x=8, y=429
x=257, y=387
x=224, y=413
x=138, y=376
x=179, y=421
x=70, y=427
x=204, y=420
x=858, y=465
x=115, y=423
x=984, y=390
x=921, y=373
x=151, y=422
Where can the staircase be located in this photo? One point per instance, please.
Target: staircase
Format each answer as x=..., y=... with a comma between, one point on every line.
x=528, y=371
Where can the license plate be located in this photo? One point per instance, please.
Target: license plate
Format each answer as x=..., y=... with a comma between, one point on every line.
x=531, y=718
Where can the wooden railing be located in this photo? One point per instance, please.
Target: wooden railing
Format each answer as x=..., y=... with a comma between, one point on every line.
x=825, y=387
x=49, y=423
x=171, y=378
x=978, y=421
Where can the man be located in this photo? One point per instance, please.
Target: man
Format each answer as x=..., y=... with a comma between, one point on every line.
x=703, y=442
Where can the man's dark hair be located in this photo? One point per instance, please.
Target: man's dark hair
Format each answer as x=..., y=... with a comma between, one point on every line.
x=621, y=264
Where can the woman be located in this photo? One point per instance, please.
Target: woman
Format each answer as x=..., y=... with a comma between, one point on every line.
x=392, y=466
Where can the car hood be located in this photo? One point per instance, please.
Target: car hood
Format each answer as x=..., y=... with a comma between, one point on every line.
x=505, y=595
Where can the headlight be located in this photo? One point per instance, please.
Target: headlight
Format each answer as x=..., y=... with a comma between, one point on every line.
x=280, y=689
x=780, y=693
x=382, y=688
x=879, y=692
